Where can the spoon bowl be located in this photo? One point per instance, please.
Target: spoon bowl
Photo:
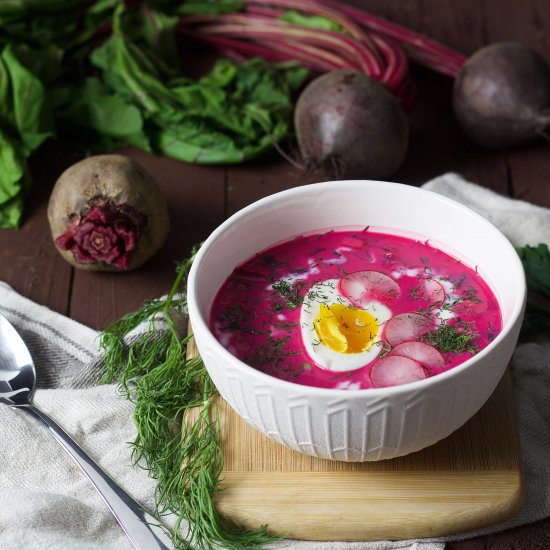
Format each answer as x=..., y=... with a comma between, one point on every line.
x=17, y=372
x=17, y=384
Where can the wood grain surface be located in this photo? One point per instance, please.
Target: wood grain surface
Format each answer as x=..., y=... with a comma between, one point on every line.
x=469, y=480
x=201, y=197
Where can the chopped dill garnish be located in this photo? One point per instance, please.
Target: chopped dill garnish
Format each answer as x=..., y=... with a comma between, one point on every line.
x=177, y=420
x=459, y=282
x=238, y=318
x=386, y=348
x=471, y=294
x=285, y=325
x=291, y=293
x=468, y=295
x=233, y=317
x=271, y=353
x=449, y=338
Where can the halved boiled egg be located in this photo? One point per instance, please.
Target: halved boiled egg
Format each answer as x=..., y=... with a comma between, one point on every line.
x=338, y=335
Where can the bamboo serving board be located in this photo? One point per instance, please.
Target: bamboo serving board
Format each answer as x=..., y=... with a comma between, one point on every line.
x=471, y=479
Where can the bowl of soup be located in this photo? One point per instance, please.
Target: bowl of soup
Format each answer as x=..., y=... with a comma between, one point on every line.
x=356, y=320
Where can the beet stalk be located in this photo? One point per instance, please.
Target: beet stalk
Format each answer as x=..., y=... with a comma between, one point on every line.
x=501, y=95
x=420, y=48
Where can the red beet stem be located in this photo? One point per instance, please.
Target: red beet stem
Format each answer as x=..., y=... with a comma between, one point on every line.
x=369, y=43
x=315, y=8
x=397, y=65
x=368, y=60
x=315, y=55
x=232, y=54
x=434, y=62
x=260, y=28
x=422, y=49
x=265, y=12
x=312, y=58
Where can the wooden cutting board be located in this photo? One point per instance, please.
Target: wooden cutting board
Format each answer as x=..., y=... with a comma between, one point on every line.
x=471, y=479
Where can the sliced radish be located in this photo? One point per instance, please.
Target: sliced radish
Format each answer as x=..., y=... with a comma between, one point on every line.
x=423, y=353
x=362, y=287
x=473, y=301
x=353, y=242
x=433, y=291
x=394, y=370
x=406, y=327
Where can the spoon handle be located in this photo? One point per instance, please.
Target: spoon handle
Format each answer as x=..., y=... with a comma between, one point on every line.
x=142, y=529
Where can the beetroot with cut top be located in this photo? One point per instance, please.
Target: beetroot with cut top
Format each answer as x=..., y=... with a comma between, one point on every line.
x=106, y=213
x=502, y=96
x=350, y=126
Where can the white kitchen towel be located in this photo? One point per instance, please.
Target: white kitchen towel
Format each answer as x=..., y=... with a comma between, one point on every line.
x=46, y=503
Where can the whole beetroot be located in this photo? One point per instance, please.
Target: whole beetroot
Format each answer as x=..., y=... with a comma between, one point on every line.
x=501, y=96
x=350, y=126
x=106, y=213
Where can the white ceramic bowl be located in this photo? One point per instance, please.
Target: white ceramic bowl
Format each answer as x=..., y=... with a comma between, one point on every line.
x=370, y=424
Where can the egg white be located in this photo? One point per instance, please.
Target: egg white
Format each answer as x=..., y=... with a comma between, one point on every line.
x=327, y=292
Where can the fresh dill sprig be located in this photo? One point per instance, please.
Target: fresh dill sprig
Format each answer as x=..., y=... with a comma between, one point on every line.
x=177, y=419
x=451, y=338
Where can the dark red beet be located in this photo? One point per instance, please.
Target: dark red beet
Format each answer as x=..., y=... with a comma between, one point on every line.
x=350, y=126
x=502, y=96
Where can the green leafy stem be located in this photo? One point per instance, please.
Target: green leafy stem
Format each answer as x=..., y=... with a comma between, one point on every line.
x=177, y=420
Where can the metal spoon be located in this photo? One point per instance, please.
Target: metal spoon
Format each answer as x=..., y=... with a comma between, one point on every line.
x=17, y=384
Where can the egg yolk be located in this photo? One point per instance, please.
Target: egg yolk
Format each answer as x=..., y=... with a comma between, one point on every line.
x=345, y=329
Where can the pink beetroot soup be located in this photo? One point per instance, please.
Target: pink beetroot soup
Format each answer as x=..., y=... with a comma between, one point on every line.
x=354, y=310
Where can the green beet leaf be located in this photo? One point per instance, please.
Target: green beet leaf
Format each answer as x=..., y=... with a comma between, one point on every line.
x=98, y=119
x=311, y=21
x=129, y=72
x=13, y=182
x=50, y=53
x=27, y=109
x=536, y=262
x=25, y=123
x=234, y=113
x=157, y=30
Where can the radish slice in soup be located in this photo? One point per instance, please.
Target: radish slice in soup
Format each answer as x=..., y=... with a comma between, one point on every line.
x=362, y=287
x=472, y=301
x=406, y=327
x=394, y=370
x=433, y=291
x=353, y=242
x=423, y=353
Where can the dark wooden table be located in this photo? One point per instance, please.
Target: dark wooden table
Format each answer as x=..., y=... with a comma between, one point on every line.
x=202, y=197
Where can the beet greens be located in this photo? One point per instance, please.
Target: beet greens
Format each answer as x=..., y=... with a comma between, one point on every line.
x=105, y=74
x=101, y=75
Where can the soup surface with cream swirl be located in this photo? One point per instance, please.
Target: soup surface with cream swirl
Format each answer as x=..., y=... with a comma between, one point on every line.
x=354, y=310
